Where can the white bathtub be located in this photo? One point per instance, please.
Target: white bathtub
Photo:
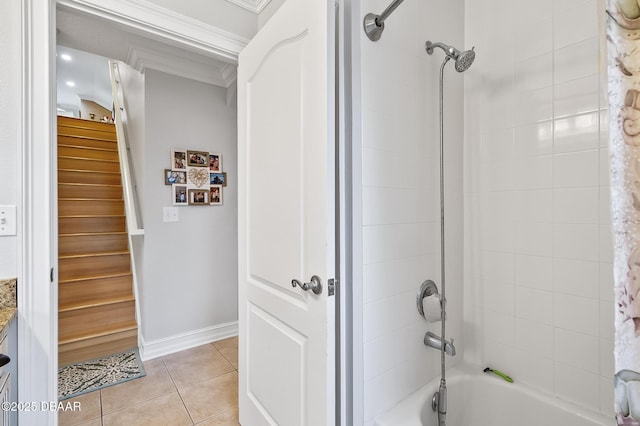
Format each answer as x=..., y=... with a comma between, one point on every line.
x=479, y=399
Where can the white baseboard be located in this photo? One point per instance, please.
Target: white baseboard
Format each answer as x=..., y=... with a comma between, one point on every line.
x=168, y=345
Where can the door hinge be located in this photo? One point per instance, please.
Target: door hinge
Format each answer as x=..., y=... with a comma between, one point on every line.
x=332, y=286
x=51, y=275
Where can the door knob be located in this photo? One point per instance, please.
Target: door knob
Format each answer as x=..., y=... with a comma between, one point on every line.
x=295, y=282
x=315, y=284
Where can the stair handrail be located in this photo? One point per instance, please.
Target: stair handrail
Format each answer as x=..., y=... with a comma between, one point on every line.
x=135, y=229
x=134, y=221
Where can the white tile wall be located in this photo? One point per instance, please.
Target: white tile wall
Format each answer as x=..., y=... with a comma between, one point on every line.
x=538, y=275
x=550, y=254
x=400, y=197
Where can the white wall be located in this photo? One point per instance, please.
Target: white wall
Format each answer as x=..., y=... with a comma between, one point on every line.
x=10, y=87
x=400, y=200
x=539, y=285
x=190, y=267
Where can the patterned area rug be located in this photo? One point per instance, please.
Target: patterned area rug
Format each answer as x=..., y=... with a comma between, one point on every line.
x=84, y=377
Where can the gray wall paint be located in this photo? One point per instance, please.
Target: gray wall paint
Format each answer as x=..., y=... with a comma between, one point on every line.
x=190, y=267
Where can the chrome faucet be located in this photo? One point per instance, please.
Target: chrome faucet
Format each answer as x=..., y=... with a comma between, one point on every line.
x=434, y=341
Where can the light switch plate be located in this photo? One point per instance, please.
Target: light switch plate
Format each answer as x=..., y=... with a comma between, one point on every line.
x=170, y=214
x=7, y=220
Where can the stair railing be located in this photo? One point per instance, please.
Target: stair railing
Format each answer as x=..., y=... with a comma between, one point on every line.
x=131, y=201
x=135, y=229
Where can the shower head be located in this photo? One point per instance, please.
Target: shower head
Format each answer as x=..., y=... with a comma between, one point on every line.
x=463, y=59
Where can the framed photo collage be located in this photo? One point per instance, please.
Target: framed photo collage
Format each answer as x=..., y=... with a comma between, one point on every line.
x=196, y=178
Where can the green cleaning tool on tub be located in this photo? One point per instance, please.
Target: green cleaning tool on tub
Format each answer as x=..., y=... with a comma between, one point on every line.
x=498, y=373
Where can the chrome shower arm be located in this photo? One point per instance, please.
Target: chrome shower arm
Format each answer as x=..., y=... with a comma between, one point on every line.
x=374, y=24
x=388, y=11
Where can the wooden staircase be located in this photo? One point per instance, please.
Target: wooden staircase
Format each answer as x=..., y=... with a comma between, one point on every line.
x=96, y=306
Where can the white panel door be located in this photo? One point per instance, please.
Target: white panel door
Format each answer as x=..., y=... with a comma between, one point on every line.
x=286, y=179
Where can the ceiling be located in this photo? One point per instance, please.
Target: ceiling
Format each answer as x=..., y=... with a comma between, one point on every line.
x=91, y=41
x=89, y=75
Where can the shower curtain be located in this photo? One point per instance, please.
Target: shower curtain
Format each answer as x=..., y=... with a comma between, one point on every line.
x=622, y=26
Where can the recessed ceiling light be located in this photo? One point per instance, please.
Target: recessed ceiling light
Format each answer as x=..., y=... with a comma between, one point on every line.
x=70, y=83
x=65, y=56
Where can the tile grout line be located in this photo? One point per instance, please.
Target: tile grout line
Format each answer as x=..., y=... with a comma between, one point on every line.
x=177, y=391
x=101, y=410
x=229, y=347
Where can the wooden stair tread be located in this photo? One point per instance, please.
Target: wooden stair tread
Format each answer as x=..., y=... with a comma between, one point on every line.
x=110, y=185
x=104, y=253
x=91, y=199
x=127, y=326
x=84, y=124
x=89, y=176
x=95, y=277
x=88, y=215
x=97, y=302
x=88, y=159
x=96, y=305
x=87, y=153
x=91, y=138
x=88, y=171
x=97, y=190
x=84, y=200
x=85, y=132
x=92, y=148
x=98, y=346
x=83, y=234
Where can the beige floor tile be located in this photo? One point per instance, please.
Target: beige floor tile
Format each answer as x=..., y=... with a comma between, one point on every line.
x=157, y=382
x=212, y=397
x=89, y=409
x=227, y=418
x=164, y=410
x=226, y=343
x=94, y=422
x=230, y=353
x=229, y=349
x=196, y=365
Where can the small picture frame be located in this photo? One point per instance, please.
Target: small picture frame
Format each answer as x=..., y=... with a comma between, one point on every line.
x=215, y=195
x=197, y=158
x=179, y=195
x=215, y=163
x=174, y=177
x=198, y=197
x=218, y=178
x=179, y=160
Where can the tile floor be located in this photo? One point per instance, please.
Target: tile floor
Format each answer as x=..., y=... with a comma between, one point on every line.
x=195, y=386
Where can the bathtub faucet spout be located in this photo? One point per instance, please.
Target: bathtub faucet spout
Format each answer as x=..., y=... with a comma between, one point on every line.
x=434, y=341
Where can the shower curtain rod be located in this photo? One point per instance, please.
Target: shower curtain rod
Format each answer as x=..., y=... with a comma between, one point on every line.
x=374, y=24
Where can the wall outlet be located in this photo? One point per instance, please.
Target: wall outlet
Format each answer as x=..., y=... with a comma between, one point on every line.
x=170, y=214
x=7, y=220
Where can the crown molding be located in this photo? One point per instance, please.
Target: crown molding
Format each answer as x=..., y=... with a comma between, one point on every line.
x=182, y=64
x=229, y=73
x=164, y=25
x=254, y=6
